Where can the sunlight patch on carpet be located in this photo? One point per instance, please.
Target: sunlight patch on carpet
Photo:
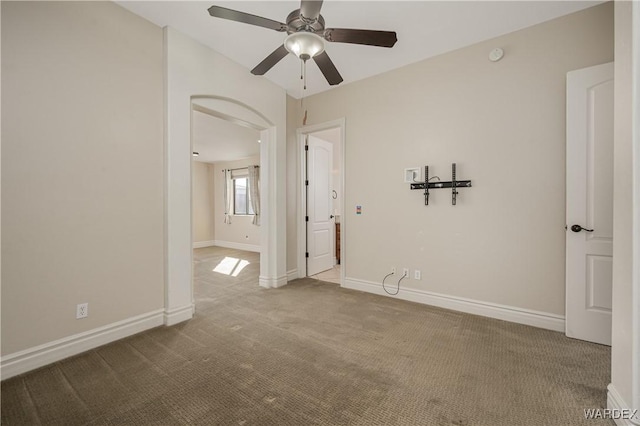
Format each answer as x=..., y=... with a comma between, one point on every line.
x=231, y=266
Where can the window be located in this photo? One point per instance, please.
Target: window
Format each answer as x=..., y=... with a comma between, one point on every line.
x=242, y=197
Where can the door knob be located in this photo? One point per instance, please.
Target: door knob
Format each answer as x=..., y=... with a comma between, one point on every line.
x=578, y=228
x=331, y=217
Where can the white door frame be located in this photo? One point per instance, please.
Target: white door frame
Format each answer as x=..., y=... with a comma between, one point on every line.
x=301, y=133
x=635, y=164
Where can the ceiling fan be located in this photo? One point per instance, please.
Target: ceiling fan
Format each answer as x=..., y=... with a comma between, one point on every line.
x=307, y=35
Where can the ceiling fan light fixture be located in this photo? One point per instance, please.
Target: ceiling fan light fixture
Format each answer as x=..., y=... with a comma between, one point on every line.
x=305, y=45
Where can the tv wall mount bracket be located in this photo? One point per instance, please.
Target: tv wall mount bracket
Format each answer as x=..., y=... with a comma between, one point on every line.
x=454, y=184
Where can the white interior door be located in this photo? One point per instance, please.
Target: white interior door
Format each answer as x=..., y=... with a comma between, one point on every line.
x=320, y=225
x=589, y=236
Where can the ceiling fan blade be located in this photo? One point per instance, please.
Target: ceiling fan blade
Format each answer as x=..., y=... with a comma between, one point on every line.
x=368, y=37
x=234, y=15
x=310, y=9
x=268, y=62
x=328, y=69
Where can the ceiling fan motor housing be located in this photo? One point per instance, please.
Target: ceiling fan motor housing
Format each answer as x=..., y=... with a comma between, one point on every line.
x=296, y=23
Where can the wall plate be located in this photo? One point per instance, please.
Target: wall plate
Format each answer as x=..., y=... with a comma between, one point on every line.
x=412, y=175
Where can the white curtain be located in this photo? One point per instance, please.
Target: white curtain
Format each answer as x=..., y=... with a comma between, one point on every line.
x=228, y=196
x=254, y=192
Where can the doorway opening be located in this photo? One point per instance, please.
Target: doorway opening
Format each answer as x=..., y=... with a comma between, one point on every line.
x=321, y=219
x=229, y=157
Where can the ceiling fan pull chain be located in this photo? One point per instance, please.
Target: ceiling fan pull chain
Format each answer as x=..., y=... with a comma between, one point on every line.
x=304, y=68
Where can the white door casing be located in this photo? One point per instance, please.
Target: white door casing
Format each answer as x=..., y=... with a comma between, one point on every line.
x=320, y=226
x=589, y=255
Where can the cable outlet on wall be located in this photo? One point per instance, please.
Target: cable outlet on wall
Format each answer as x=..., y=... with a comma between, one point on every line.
x=417, y=274
x=393, y=269
x=82, y=310
x=405, y=272
x=412, y=175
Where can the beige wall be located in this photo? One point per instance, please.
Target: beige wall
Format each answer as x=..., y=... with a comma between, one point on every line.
x=203, y=202
x=82, y=168
x=503, y=123
x=241, y=230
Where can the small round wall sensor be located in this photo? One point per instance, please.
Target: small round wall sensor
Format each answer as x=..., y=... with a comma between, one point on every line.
x=496, y=54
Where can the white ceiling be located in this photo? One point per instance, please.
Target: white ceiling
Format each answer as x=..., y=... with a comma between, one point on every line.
x=424, y=28
x=217, y=140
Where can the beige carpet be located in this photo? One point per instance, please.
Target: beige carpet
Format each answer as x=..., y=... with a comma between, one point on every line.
x=312, y=353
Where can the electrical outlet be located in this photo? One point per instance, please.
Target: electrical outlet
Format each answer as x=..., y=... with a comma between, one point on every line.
x=417, y=274
x=405, y=272
x=393, y=269
x=82, y=310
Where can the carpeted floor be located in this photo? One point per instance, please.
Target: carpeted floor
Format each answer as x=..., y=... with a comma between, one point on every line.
x=312, y=353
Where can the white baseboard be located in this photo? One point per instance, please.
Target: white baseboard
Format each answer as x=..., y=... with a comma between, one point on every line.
x=292, y=275
x=470, y=306
x=237, y=246
x=616, y=403
x=39, y=356
x=202, y=244
x=177, y=315
x=273, y=282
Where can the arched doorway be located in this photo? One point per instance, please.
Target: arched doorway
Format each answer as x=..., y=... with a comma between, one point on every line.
x=179, y=299
x=242, y=115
